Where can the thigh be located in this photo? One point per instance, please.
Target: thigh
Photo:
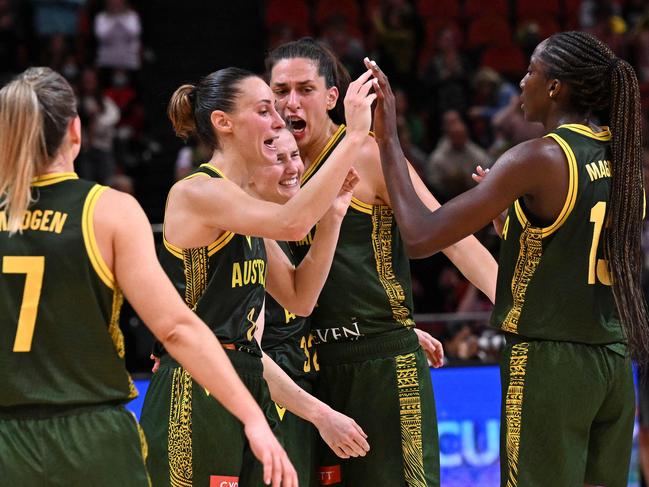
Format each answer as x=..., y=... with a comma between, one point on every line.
x=191, y=436
x=551, y=394
x=392, y=400
x=611, y=435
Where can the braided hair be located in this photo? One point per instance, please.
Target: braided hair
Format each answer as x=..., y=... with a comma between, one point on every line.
x=600, y=82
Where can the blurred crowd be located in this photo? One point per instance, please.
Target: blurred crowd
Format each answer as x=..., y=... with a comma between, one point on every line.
x=455, y=66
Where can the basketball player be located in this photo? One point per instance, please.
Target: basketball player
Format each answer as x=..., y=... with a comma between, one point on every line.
x=69, y=249
x=569, y=295
x=216, y=257
x=372, y=367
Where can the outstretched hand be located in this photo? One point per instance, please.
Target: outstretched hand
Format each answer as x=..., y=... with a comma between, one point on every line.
x=385, y=113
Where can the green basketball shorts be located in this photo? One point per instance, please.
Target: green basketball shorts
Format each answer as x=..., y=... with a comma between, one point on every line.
x=193, y=439
x=384, y=384
x=100, y=446
x=567, y=414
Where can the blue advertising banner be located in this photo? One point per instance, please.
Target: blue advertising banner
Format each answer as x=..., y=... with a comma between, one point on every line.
x=468, y=412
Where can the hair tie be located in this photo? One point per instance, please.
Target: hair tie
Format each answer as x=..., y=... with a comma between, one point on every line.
x=613, y=63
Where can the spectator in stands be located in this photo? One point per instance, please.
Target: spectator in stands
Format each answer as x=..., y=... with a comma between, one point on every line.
x=118, y=32
x=99, y=116
x=342, y=41
x=446, y=75
x=450, y=165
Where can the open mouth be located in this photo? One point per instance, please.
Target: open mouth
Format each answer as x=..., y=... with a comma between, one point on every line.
x=270, y=143
x=289, y=182
x=296, y=124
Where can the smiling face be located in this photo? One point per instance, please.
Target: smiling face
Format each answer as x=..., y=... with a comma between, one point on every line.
x=255, y=122
x=302, y=98
x=279, y=181
x=535, y=89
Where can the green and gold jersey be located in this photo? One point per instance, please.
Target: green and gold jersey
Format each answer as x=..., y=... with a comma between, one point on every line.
x=224, y=282
x=368, y=290
x=60, y=342
x=287, y=339
x=553, y=282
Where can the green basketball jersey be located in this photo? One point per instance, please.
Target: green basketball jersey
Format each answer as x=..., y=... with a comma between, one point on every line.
x=60, y=342
x=368, y=289
x=287, y=339
x=224, y=282
x=553, y=282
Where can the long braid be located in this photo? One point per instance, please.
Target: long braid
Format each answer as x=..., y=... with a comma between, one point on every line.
x=600, y=81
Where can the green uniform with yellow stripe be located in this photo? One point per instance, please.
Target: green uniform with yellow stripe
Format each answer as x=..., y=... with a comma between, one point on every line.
x=287, y=340
x=371, y=365
x=193, y=439
x=568, y=397
x=64, y=383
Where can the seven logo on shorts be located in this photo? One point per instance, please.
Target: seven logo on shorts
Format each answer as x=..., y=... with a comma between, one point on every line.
x=330, y=475
x=223, y=481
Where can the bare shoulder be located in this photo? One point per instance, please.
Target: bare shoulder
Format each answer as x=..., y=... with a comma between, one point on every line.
x=118, y=207
x=533, y=152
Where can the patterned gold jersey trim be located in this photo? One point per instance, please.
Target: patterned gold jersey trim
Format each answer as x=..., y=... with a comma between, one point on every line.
x=382, y=219
x=604, y=134
x=514, y=408
x=53, y=178
x=195, y=263
x=179, y=444
x=571, y=196
x=324, y=153
x=118, y=338
x=360, y=206
x=212, y=248
x=410, y=419
x=529, y=257
x=88, y=229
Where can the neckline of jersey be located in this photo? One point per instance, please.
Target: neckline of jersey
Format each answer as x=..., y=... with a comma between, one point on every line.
x=604, y=134
x=53, y=178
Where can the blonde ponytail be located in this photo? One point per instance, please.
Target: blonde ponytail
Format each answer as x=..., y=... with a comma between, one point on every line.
x=23, y=152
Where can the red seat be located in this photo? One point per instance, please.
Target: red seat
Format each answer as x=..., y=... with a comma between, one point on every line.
x=438, y=9
x=288, y=12
x=480, y=8
x=489, y=31
x=348, y=9
x=531, y=8
x=507, y=60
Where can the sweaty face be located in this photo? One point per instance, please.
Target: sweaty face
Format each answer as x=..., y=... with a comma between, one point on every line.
x=535, y=98
x=302, y=97
x=279, y=181
x=255, y=122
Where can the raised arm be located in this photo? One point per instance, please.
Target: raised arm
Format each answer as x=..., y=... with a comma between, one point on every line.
x=222, y=204
x=518, y=172
x=297, y=288
x=126, y=244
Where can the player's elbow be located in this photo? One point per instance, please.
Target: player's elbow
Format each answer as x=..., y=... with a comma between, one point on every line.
x=296, y=229
x=417, y=248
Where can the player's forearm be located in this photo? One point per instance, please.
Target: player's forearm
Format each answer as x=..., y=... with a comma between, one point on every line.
x=411, y=213
x=284, y=391
x=476, y=264
x=196, y=348
x=311, y=274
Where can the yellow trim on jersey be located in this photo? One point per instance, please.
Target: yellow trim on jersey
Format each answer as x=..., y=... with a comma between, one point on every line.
x=323, y=154
x=360, y=206
x=604, y=134
x=212, y=248
x=571, y=197
x=213, y=169
x=88, y=229
x=196, y=174
x=53, y=178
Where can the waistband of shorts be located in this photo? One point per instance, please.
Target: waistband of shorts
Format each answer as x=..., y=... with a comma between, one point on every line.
x=46, y=411
x=243, y=362
x=384, y=345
